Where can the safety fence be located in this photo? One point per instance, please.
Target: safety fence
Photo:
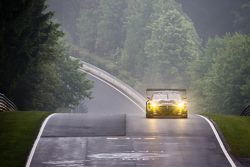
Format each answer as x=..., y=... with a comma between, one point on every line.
x=246, y=111
x=6, y=104
x=125, y=88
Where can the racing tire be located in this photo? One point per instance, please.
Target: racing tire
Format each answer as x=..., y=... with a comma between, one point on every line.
x=148, y=115
x=185, y=116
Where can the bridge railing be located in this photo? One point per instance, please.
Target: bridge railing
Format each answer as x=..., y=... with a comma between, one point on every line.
x=6, y=104
x=125, y=88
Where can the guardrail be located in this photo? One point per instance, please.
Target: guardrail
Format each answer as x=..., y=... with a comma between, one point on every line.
x=125, y=88
x=246, y=111
x=6, y=104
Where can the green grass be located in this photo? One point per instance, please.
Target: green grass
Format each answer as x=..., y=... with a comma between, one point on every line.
x=236, y=130
x=18, y=130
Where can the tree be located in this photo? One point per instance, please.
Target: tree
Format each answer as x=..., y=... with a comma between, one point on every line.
x=110, y=29
x=223, y=85
x=11, y=18
x=212, y=17
x=67, y=13
x=33, y=61
x=242, y=18
x=172, y=46
x=138, y=17
x=87, y=25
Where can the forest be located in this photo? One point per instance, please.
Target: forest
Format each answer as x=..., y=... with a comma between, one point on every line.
x=203, y=46
x=35, y=69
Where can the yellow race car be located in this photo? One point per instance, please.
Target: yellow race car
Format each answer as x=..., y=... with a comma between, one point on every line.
x=166, y=103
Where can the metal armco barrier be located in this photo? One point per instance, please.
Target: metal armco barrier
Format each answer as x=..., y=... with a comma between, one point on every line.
x=125, y=88
x=246, y=111
x=6, y=104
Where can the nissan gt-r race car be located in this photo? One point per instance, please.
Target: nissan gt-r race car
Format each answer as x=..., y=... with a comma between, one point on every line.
x=166, y=103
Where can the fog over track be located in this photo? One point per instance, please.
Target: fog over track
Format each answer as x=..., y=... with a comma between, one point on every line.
x=113, y=132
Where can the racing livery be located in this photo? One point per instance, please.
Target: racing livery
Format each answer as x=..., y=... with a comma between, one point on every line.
x=166, y=103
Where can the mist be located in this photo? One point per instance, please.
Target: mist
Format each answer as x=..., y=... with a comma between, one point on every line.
x=161, y=44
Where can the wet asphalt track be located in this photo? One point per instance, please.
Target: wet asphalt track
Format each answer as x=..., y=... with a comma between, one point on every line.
x=115, y=133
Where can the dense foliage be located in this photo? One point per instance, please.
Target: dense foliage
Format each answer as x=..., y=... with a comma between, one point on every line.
x=145, y=42
x=221, y=80
x=153, y=43
x=35, y=69
x=213, y=17
x=172, y=46
x=242, y=18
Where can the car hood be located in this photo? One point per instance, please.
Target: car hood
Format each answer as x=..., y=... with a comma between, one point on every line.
x=166, y=102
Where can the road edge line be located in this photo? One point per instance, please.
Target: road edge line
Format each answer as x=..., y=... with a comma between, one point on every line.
x=37, y=140
x=230, y=160
x=118, y=91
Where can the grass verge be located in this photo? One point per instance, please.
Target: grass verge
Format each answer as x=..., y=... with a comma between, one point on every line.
x=18, y=131
x=236, y=130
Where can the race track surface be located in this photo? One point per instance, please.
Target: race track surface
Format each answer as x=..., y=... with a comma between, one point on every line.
x=111, y=131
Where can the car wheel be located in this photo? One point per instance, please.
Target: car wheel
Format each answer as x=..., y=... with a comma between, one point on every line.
x=185, y=116
x=149, y=116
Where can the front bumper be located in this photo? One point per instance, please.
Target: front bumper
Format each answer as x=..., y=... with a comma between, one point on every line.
x=166, y=111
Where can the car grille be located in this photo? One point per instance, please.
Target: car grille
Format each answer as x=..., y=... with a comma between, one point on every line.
x=167, y=108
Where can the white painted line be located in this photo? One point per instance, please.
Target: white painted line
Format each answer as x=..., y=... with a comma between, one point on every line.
x=112, y=138
x=219, y=141
x=149, y=138
x=37, y=140
x=117, y=90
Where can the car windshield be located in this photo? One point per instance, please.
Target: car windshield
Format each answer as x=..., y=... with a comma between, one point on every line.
x=167, y=96
x=160, y=96
x=174, y=96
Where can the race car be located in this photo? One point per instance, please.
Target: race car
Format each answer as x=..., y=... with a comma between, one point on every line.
x=166, y=103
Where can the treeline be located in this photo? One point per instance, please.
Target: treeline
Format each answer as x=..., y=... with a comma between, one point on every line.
x=35, y=69
x=146, y=43
x=221, y=75
x=153, y=43
x=215, y=17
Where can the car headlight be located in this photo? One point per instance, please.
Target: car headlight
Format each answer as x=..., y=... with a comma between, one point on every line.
x=181, y=105
x=154, y=105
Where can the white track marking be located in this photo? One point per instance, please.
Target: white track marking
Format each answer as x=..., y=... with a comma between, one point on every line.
x=47, y=119
x=209, y=122
x=117, y=90
x=37, y=140
x=219, y=141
